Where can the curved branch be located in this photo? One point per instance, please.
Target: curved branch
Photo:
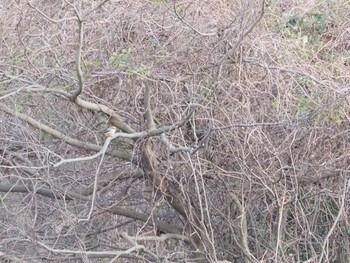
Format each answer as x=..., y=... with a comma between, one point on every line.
x=100, y=152
x=116, y=119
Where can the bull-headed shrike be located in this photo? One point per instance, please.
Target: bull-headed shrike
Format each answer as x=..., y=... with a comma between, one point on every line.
x=108, y=132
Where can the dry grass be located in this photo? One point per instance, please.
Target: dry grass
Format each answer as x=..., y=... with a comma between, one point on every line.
x=270, y=182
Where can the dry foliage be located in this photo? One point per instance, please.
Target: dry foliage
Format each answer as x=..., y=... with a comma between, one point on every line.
x=232, y=141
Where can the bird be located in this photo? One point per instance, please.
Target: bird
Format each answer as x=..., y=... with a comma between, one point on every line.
x=108, y=132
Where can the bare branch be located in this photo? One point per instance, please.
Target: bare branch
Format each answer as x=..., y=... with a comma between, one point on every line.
x=103, y=149
x=47, y=17
x=161, y=238
x=26, y=188
x=336, y=220
x=80, y=76
x=83, y=145
x=94, y=8
x=148, y=110
x=175, y=9
x=138, y=248
x=243, y=34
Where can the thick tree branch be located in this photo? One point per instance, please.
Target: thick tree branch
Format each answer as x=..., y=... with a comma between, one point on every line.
x=124, y=155
x=148, y=110
x=74, y=195
x=160, y=182
x=27, y=188
x=80, y=76
x=161, y=238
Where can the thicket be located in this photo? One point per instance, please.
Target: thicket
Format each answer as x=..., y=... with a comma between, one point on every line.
x=232, y=137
